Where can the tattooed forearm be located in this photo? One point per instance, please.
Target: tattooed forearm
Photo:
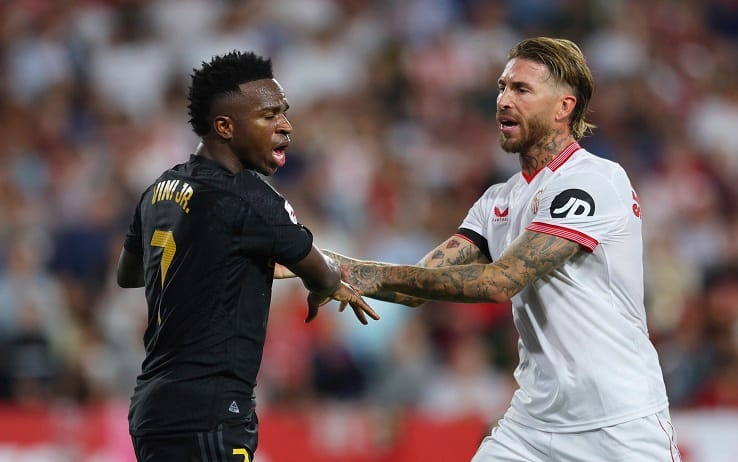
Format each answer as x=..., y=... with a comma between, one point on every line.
x=455, y=251
x=458, y=257
x=529, y=257
x=396, y=297
x=341, y=259
x=533, y=255
x=357, y=275
x=464, y=283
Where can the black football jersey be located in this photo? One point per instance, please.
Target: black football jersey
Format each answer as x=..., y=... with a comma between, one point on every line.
x=209, y=239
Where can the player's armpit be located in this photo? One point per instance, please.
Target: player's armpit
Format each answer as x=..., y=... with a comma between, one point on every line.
x=529, y=257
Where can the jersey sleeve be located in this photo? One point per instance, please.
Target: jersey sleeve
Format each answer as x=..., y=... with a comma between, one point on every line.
x=584, y=208
x=474, y=226
x=478, y=217
x=292, y=243
x=133, y=242
x=475, y=218
x=271, y=228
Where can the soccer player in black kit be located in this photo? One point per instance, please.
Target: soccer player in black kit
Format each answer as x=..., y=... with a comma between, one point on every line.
x=204, y=241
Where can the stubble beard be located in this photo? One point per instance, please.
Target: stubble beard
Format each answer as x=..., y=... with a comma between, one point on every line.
x=534, y=132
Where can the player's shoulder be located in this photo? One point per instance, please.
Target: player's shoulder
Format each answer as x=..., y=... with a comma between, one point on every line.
x=501, y=186
x=176, y=171
x=585, y=163
x=593, y=174
x=263, y=200
x=254, y=185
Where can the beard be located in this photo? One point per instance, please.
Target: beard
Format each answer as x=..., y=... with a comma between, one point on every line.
x=533, y=132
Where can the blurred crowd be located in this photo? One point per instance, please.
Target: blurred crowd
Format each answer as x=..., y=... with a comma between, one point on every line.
x=392, y=103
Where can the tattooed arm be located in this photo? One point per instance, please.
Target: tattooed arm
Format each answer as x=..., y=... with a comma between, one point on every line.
x=453, y=251
x=531, y=256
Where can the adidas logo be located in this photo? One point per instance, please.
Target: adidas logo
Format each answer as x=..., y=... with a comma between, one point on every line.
x=234, y=408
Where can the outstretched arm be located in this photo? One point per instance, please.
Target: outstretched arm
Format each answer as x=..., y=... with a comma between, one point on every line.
x=322, y=277
x=453, y=251
x=531, y=256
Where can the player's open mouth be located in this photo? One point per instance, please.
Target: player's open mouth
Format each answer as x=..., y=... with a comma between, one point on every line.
x=279, y=153
x=507, y=124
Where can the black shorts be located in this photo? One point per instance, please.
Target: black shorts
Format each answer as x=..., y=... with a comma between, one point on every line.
x=232, y=441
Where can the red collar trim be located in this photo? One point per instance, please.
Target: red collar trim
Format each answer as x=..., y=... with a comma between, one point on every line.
x=557, y=161
x=563, y=156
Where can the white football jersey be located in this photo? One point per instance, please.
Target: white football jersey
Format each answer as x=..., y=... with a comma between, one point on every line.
x=586, y=360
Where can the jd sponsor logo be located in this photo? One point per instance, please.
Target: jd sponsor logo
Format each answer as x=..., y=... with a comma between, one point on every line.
x=572, y=203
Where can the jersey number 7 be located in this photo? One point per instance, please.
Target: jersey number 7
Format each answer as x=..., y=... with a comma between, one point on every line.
x=165, y=240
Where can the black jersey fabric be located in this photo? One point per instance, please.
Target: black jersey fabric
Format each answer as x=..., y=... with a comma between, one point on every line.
x=215, y=236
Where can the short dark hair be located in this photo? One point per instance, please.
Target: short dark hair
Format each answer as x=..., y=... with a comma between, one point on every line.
x=221, y=77
x=567, y=65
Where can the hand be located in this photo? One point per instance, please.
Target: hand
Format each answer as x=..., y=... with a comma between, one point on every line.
x=346, y=295
x=282, y=272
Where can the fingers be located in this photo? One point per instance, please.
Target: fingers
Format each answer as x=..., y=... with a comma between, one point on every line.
x=360, y=315
x=361, y=309
x=314, y=302
x=312, y=311
x=346, y=295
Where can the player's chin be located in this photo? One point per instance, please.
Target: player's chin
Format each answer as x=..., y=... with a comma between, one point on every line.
x=268, y=170
x=268, y=167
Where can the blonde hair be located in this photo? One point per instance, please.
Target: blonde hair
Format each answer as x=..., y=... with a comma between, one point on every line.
x=567, y=65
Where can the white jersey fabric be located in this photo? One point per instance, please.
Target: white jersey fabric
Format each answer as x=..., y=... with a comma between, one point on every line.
x=586, y=360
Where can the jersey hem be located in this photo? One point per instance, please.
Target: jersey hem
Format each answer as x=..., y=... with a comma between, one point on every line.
x=524, y=419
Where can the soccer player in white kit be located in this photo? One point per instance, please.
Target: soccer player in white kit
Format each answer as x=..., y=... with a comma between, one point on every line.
x=562, y=241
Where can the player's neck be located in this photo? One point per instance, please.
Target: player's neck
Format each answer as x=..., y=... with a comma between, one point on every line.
x=223, y=156
x=542, y=153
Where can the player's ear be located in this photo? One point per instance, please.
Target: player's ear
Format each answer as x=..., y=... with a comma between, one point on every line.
x=223, y=126
x=567, y=103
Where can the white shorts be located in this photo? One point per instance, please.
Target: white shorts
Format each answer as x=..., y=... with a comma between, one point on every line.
x=648, y=439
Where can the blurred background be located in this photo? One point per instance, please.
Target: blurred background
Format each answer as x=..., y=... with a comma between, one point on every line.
x=392, y=104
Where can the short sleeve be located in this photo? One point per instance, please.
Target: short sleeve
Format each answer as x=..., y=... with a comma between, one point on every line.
x=474, y=226
x=271, y=227
x=584, y=208
x=477, y=219
x=291, y=243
